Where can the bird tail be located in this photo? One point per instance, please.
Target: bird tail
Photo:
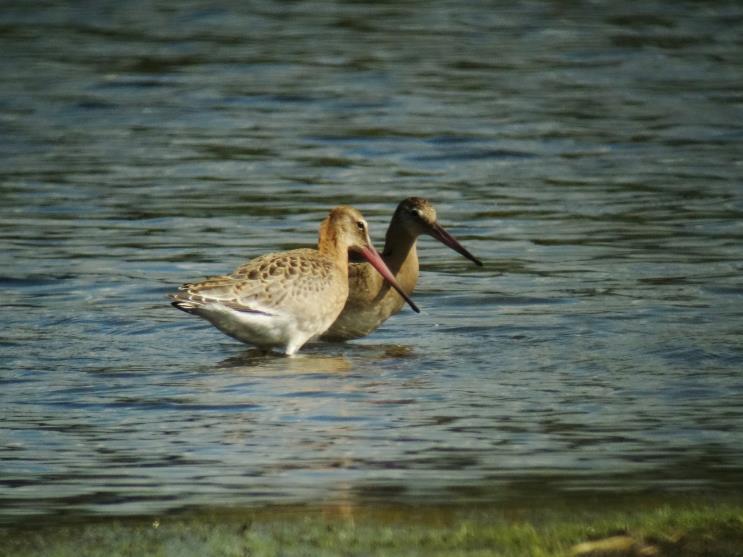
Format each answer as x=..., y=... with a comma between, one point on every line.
x=185, y=302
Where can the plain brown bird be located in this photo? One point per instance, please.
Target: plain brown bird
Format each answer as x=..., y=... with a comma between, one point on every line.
x=370, y=299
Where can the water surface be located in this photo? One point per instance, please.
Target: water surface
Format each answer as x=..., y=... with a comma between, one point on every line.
x=589, y=154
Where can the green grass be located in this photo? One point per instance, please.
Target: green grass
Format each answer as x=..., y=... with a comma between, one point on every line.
x=678, y=530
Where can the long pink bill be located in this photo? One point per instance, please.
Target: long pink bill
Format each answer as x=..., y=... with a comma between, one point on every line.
x=438, y=232
x=373, y=257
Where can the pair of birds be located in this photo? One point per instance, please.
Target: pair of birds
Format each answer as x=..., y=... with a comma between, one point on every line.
x=283, y=300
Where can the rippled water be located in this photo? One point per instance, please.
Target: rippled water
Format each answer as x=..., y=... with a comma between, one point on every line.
x=589, y=153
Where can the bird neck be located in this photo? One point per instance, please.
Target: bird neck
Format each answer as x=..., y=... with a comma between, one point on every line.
x=399, y=247
x=331, y=245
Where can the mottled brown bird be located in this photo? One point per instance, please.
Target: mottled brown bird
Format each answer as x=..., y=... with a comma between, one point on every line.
x=282, y=300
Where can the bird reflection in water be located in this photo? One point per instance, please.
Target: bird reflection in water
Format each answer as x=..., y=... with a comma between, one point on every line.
x=256, y=360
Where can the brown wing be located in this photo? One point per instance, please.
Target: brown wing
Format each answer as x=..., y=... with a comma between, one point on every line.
x=270, y=283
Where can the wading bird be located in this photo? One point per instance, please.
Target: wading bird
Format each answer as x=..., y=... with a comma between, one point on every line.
x=282, y=300
x=370, y=300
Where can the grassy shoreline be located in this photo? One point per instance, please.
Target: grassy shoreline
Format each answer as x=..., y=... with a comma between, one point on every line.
x=683, y=529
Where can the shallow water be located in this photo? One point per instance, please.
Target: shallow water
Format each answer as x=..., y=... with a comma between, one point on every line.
x=589, y=154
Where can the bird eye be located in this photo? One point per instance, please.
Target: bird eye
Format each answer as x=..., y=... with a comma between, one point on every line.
x=361, y=225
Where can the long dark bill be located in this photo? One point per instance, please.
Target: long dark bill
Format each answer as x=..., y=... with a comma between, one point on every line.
x=438, y=232
x=373, y=257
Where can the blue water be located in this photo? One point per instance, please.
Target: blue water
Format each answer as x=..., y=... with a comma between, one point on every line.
x=590, y=154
